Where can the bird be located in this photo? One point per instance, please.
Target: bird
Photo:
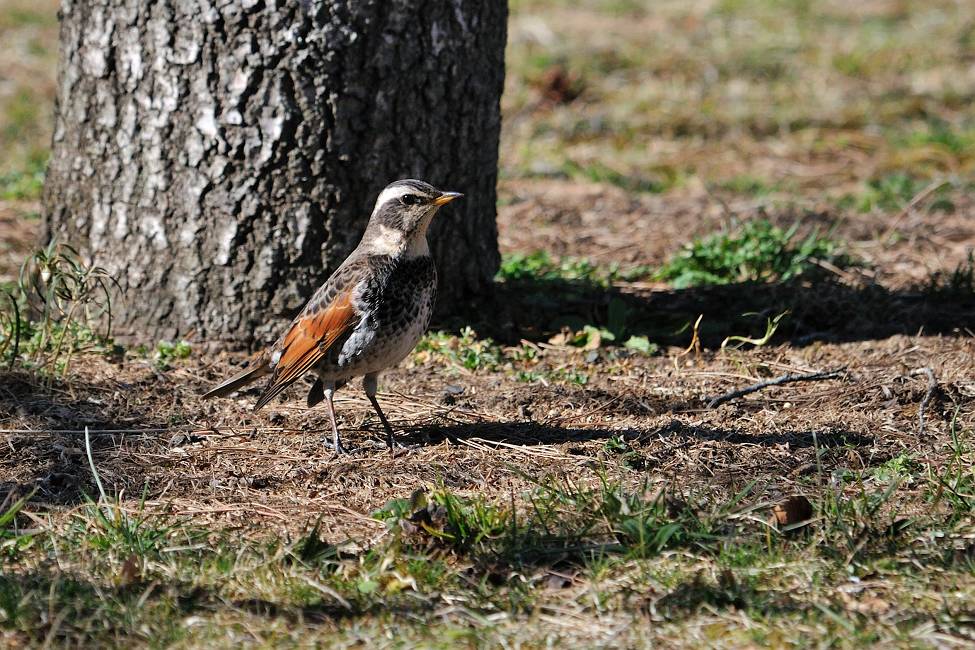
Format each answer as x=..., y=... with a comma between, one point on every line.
x=369, y=314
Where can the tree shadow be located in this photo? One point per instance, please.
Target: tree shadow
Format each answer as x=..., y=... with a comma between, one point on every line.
x=819, y=309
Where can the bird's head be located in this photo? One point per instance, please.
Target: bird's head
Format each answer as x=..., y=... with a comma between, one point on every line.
x=403, y=212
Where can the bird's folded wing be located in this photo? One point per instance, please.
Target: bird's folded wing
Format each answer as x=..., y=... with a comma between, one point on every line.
x=309, y=339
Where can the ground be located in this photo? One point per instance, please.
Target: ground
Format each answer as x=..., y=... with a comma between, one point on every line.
x=565, y=483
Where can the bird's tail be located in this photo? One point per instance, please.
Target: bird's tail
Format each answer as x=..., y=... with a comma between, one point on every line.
x=256, y=369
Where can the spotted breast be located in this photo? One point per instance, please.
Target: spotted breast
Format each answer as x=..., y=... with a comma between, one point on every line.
x=395, y=302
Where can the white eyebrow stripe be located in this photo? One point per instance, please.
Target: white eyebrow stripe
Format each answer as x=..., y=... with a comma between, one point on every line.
x=393, y=193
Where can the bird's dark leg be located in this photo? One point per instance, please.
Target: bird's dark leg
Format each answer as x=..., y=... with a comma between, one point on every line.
x=329, y=390
x=371, y=384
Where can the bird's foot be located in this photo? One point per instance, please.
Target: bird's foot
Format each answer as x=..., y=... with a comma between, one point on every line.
x=336, y=449
x=398, y=448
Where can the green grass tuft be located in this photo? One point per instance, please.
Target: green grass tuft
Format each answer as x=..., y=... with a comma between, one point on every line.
x=68, y=300
x=889, y=192
x=757, y=251
x=168, y=352
x=23, y=185
x=540, y=266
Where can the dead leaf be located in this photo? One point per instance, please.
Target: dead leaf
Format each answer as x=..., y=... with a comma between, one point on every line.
x=793, y=510
x=559, y=86
x=865, y=604
x=562, y=338
x=131, y=571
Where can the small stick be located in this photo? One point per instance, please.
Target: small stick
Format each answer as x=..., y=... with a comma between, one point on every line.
x=932, y=386
x=783, y=379
x=919, y=198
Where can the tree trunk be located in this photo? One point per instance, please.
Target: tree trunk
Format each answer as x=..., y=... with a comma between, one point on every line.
x=222, y=158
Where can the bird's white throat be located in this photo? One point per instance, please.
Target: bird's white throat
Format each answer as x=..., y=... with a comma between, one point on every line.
x=392, y=242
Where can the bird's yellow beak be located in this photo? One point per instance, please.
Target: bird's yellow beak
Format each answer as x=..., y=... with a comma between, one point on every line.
x=446, y=198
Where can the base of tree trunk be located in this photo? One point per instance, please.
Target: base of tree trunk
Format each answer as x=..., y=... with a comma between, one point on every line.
x=221, y=159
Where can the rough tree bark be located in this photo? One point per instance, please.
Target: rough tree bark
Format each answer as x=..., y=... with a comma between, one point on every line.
x=221, y=157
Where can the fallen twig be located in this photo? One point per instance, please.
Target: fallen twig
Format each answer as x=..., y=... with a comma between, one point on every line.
x=783, y=379
x=918, y=198
x=932, y=386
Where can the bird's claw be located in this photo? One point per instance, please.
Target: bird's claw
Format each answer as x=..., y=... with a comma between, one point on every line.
x=399, y=449
x=337, y=450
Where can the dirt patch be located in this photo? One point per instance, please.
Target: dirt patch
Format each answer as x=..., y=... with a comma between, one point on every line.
x=487, y=434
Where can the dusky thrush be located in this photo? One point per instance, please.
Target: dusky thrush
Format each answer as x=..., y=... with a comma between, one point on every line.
x=367, y=316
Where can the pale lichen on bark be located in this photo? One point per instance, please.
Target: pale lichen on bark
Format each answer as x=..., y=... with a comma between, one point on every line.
x=220, y=158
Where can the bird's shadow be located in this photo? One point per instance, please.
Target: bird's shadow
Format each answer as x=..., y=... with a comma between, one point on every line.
x=528, y=433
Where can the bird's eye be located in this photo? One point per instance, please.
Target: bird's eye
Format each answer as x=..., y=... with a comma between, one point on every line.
x=411, y=199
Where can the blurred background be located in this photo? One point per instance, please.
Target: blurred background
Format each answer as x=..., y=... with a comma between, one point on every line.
x=670, y=117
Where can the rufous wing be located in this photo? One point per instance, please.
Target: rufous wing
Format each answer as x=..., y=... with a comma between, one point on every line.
x=311, y=336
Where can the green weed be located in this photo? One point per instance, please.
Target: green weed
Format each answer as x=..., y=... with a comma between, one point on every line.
x=749, y=186
x=466, y=351
x=771, y=326
x=941, y=134
x=12, y=539
x=597, y=172
x=900, y=468
x=56, y=308
x=23, y=185
x=954, y=483
x=561, y=518
x=890, y=192
x=167, y=352
x=540, y=266
x=757, y=251
x=641, y=344
x=108, y=528
x=591, y=337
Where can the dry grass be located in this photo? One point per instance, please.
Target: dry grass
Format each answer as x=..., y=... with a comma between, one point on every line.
x=579, y=495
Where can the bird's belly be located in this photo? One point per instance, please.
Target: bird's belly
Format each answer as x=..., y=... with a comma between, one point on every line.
x=380, y=347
